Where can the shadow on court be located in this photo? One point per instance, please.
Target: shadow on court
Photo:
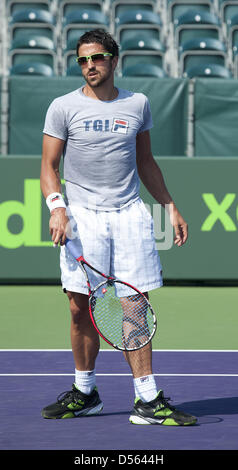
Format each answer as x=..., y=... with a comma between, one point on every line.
x=212, y=406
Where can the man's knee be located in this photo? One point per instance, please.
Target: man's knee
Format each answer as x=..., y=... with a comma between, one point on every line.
x=78, y=305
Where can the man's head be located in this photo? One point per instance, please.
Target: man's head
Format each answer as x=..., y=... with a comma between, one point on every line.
x=97, y=55
x=99, y=36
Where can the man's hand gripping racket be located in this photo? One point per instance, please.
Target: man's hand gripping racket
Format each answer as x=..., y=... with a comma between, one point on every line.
x=126, y=322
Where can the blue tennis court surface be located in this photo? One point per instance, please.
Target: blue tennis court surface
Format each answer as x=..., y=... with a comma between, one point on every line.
x=203, y=383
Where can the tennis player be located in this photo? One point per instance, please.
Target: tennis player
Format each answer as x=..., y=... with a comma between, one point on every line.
x=103, y=133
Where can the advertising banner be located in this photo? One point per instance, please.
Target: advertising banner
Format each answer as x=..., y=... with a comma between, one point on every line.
x=204, y=190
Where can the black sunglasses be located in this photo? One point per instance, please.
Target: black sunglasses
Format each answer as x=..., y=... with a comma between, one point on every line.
x=95, y=58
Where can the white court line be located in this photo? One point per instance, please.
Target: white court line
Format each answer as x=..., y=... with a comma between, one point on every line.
x=120, y=375
x=110, y=350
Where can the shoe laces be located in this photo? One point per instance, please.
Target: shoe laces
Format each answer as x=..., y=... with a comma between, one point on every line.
x=68, y=397
x=163, y=402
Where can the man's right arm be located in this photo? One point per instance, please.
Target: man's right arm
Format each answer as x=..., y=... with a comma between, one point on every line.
x=52, y=150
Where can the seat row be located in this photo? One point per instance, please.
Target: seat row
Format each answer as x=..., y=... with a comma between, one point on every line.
x=39, y=43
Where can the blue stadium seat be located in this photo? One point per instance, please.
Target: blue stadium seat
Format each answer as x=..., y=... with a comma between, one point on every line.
x=140, y=47
x=32, y=69
x=203, y=44
x=69, y=7
x=228, y=8
x=32, y=40
x=72, y=38
x=27, y=40
x=142, y=59
x=123, y=7
x=176, y=8
x=140, y=40
x=86, y=16
x=14, y=6
x=39, y=62
x=145, y=33
x=29, y=19
x=83, y=19
x=207, y=71
x=138, y=16
x=137, y=19
x=32, y=15
x=203, y=51
x=232, y=28
x=206, y=60
x=190, y=32
x=196, y=18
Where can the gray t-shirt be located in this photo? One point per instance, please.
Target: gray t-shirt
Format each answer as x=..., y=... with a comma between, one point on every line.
x=100, y=146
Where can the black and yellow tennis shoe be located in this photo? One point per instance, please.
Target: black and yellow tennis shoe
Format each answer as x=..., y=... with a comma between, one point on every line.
x=159, y=411
x=74, y=404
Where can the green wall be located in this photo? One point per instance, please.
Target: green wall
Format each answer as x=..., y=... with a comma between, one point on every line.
x=30, y=98
x=204, y=189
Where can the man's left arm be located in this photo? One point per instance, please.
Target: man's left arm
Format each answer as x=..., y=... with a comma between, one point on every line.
x=152, y=178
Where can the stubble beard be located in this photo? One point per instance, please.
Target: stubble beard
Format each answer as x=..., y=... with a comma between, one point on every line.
x=99, y=79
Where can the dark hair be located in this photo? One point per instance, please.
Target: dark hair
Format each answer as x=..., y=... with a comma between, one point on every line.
x=101, y=37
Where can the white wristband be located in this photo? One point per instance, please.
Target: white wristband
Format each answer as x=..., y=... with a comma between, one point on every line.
x=55, y=200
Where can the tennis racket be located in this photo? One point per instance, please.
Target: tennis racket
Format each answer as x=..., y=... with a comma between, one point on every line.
x=121, y=314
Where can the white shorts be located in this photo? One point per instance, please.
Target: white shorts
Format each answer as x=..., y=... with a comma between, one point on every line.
x=119, y=243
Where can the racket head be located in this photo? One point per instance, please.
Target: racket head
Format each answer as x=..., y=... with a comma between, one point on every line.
x=122, y=315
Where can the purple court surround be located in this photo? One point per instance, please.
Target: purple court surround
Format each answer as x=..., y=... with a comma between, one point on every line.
x=203, y=383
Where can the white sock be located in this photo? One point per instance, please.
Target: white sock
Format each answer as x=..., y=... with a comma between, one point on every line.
x=85, y=380
x=145, y=388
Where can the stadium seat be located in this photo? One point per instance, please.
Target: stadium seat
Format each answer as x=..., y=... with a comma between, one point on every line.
x=84, y=19
x=72, y=38
x=13, y=6
x=69, y=7
x=176, y=8
x=208, y=71
x=148, y=70
x=141, y=46
x=197, y=59
x=42, y=21
x=195, y=18
x=86, y=16
x=137, y=19
x=140, y=41
x=141, y=59
x=32, y=15
x=197, y=49
x=39, y=62
x=32, y=68
x=138, y=16
x=31, y=40
x=228, y=8
x=190, y=32
x=145, y=33
x=203, y=44
x=121, y=7
x=232, y=31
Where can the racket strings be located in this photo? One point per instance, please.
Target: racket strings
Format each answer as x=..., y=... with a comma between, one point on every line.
x=125, y=321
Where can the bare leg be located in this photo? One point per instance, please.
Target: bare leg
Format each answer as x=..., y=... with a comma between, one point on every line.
x=84, y=337
x=140, y=361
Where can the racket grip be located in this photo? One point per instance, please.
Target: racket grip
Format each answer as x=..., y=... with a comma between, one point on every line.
x=73, y=248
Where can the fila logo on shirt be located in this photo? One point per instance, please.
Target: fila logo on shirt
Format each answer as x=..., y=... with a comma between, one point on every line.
x=119, y=126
